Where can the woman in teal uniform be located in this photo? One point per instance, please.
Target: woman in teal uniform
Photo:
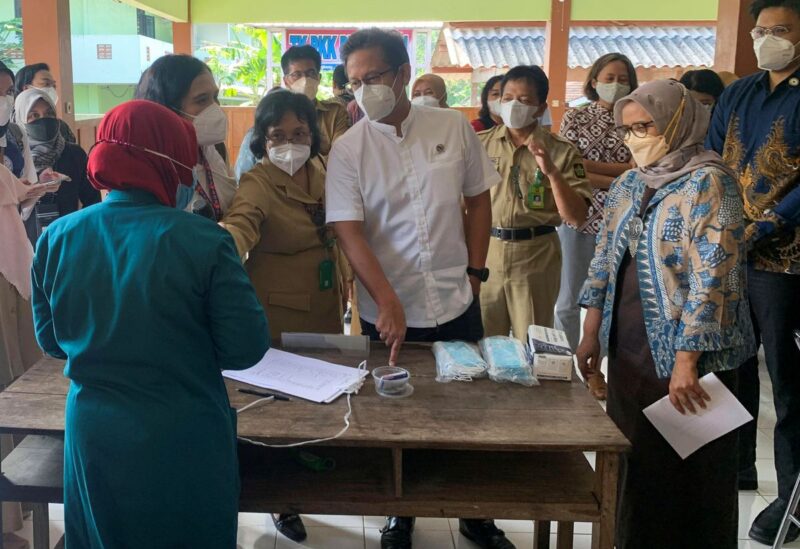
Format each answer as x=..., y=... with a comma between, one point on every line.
x=147, y=304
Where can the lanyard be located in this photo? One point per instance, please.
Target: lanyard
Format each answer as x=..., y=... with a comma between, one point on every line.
x=213, y=200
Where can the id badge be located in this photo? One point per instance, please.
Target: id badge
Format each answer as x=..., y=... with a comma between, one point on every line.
x=535, y=196
x=326, y=275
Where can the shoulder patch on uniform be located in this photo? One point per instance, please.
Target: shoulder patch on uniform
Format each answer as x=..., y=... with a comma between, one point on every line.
x=580, y=171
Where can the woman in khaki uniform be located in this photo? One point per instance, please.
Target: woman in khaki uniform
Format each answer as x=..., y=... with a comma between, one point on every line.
x=278, y=218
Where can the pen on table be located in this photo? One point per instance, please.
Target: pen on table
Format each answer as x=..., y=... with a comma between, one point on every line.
x=263, y=394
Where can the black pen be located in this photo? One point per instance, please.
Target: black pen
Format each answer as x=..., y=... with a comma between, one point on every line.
x=263, y=394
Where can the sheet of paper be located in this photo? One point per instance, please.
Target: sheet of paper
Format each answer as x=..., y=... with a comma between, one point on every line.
x=688, y=433
x=299, y=376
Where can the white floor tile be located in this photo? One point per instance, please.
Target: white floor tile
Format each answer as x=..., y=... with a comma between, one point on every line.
x=591, y=457
x=765, y=448
x=522, y=540
x=767, y=478
x=56, y=511
x=433, y=539
x=580, y=541
x=750, y=505
x=515, y=526
x=327, y=538
x=751, y=544
x=333, y=521
x=256, y=537
x=422, y=523
x=56, y=531
x=256, y=519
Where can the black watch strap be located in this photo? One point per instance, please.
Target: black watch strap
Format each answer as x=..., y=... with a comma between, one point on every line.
x=480, y=274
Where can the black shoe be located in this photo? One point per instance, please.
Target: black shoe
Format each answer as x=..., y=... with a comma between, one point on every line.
x=748, y=479
x=290, y=526
x=484, y=533
x=768, y=522
x=397, y=533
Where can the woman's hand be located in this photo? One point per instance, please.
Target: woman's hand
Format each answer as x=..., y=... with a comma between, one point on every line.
x=588, y=355
x=685, y=390
x=391, y=326
x=542, y=157
x=588, y=352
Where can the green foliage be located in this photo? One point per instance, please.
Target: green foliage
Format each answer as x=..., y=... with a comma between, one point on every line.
x=240, y=66
x=11, y=42
x=459, y=92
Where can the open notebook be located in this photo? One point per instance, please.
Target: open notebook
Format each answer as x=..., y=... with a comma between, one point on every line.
x=299, y=376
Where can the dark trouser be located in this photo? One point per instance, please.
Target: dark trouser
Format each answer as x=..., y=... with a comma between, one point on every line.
x=750, y=397
x=467, y=327
x=775, y=306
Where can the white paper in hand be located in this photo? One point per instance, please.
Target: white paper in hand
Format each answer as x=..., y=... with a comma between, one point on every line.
x=688, y=433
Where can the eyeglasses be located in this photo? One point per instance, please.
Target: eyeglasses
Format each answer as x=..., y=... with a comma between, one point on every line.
x=639, y=129
x=353, y=85
x=761, y=32
x=297, y=75
x=300, y=137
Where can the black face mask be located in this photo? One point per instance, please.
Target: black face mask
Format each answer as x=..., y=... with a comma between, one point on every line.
x=44, y=129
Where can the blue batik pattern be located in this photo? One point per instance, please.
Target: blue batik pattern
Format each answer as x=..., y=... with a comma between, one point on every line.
x=689, y=261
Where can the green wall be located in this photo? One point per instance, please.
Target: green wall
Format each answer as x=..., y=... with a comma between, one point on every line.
x=89, y=17
x=644, y=10
x=174, y=10
x=327, y=11
x=99, y=99
x=163, y=30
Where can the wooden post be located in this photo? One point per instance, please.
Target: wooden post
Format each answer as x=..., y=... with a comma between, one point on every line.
x=182, y=34
x=182, y=38
x=47, y=40
x=734, y=48
x=556, y=54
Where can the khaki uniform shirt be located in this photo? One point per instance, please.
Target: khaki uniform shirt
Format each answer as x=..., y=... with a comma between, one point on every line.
x=333, y=121
x=517, y=166
x=268, y=219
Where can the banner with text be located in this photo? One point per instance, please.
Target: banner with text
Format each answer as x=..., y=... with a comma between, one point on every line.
x=328, y=42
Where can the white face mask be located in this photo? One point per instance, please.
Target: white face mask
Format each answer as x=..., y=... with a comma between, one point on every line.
x=52, y=93
x=289, y=157
x=6, y=108
x=426, y=101
x=518, y=115
x=306, y=86
x=774, y=53
x=211, y=125
x=494, y=107
x=377, y=101
x=612, y=92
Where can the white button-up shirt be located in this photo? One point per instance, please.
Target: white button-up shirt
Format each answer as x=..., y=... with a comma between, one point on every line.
x=407, y=191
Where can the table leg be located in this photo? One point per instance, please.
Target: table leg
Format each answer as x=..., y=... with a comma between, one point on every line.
x=541, y=534
x=566, y=531
x=606, y=477
x=41, y=526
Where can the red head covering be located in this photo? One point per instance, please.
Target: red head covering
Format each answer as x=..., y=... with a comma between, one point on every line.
x=129, y=141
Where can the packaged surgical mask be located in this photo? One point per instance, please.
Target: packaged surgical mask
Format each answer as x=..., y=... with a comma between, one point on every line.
x=774, y=53
x=289, y=157
x=458, y=361
x=612, y=92
x=306, y=86
x=211, y=125
x=517, y=115
x=377, y=101
x=647, y=150
x=425, y=101
x=508, y=360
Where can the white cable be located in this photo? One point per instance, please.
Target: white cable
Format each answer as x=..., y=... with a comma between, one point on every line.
x=350, y=393
x=255, y=403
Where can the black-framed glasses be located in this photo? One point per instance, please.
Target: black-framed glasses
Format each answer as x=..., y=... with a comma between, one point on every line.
x=297, y=75
x=300, y=137
x=761, y=32
x=639, y=129
x=353, y=85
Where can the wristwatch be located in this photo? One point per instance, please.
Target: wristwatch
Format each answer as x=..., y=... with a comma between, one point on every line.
x=480, y=274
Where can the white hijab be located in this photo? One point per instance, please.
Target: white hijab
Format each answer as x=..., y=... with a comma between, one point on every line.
x=25, y=102
x=16, y=252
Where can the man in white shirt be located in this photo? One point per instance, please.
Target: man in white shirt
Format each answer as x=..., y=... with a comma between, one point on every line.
x=408, y=193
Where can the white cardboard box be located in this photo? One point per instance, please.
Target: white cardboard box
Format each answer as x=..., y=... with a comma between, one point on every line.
x=552, y=356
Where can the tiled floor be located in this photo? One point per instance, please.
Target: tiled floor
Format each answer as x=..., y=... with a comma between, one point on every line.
x=348, y=532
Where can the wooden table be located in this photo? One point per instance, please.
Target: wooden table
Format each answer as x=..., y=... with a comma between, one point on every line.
x=475, y=450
